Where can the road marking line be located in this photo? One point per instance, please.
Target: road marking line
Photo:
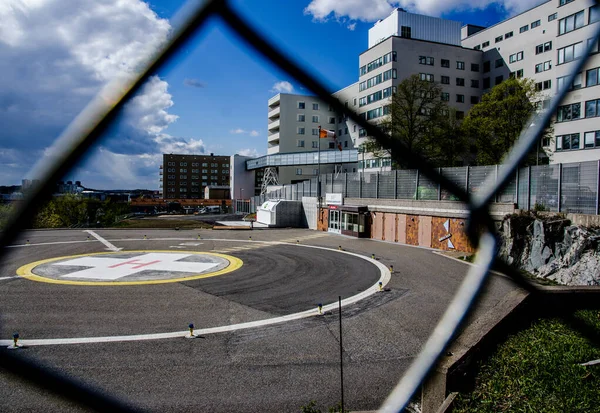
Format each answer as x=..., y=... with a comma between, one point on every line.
x=384, y=279
x=109, y=246
x=8, y=278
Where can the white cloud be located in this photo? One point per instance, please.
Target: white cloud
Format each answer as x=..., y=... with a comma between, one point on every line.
x=283, y=87
x=240, y=131
x=372, y=10
x=193, y=83
x=55, y=55
x=249, y=152
x=351, y=26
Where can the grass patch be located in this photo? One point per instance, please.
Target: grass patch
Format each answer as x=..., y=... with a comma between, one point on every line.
x=538, y=370
x=162, y=223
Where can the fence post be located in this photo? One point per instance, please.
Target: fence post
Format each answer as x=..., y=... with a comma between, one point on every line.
x=559, y=185
x=598, y=190
x=529, y=188
x=377, y=185
x=417, y=186
x=496, y=184
x=360, y=179
x=439, y=186
x=345, y=193
x=517, y=188
x=396, y=184
x=467, y=179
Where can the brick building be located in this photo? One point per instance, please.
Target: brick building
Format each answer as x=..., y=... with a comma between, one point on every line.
x=186, y=176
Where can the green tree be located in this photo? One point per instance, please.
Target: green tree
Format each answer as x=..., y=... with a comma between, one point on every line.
x=495, y=123
x=418, y=118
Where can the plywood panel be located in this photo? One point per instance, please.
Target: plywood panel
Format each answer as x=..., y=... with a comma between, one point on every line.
x=457, y=232
x=401, y=228
x=323, y=219
x=377, y=227
x=412, y=229
x=425, y=231
x=390, y=227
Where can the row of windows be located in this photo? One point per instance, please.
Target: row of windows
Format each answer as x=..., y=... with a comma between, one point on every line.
x=374, y=97
x=300, y=143
x=515, y=57
x=572, y=141
x=225, y=165
x=542, y=67
x=388, y=57
x=302, y=105
x=375, y=113
x=445, y=80
x=375, y=163
x=573, y=111
x=315, y=118
x=375, y=80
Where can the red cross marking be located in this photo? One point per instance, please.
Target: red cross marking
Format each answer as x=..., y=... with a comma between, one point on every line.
x=137, y=263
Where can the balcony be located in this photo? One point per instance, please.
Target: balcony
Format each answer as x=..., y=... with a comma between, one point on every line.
x=274, y=125
x=273, y=137
x=275, y=100
x=274, y=113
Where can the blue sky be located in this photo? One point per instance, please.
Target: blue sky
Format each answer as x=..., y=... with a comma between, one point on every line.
x=212, y=97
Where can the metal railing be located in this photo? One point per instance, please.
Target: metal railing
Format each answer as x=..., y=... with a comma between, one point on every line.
x=94, y=120
x=568, y=188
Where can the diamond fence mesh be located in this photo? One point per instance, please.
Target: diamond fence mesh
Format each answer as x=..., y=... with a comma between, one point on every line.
x=426, y=183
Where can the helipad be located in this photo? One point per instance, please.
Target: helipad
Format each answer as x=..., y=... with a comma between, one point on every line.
x=130, y=268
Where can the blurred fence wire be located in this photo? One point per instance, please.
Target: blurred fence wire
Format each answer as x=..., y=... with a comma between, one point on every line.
x=89, y=126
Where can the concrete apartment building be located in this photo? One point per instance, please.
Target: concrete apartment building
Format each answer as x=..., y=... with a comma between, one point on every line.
x=293, y=127
x=186, y=176
x=542, y=44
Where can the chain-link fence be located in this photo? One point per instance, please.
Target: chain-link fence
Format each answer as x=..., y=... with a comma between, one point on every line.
x=448, y=183
x=568, y=188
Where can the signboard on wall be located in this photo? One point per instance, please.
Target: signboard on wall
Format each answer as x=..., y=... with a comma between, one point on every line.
x=333, y=199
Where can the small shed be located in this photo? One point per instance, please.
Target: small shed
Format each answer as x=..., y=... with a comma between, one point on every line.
x=281, y=213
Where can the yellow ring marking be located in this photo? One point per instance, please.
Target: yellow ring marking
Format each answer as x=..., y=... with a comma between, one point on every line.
x=26, y=271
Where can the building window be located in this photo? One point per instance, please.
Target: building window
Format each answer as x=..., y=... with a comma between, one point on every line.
x=570, y=23
x=591, y=139
x=577, y=82
x=508, y=35
x=486, y=66
x=523, y=29
x=331, y=145
x=315, y=132
x=332, y=120
x=445, y=80
x=445, y=96
x=315, y=119
x=475, y=83
x=184, y=171
x=563, y=2
x=345, y=131
x=499, y=39
x=315, y=144
x=568, y=112
x=301, y=105
x=345, y=144
x=426, y=76
x=477, y=47
x=552, y=17
x=300, y=131
x=460, y=98
x=315, y=106
x=546, y=84
x=499, y=63
x=498, y=80
x=460, y=81
x=460, y=65
x=594, y=14
x=445, y=63
x=544, y=47
x=405, y=32
x=570, y=53
x=535, y=24
x=591, y=77
x=300, y=118
x=485, y=44
x=426, y=60
x=567, y=142
x=542, y=67
x=486, y=82
x=298, y=171
x=474, y=67
x=354, y=101
x=592, y=108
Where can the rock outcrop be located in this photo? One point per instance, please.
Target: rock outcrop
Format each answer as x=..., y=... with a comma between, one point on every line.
x=550, y=247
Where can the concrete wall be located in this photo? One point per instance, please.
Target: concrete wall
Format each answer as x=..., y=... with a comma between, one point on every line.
x=309, y=206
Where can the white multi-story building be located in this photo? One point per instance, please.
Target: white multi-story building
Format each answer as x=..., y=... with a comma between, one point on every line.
x=466, y=61
x=542, y=44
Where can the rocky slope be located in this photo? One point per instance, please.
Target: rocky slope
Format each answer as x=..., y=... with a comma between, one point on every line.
x=550, y=247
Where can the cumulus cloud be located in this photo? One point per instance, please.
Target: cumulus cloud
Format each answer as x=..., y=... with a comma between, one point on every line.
x=193, y=83
x=283, y=87
x=249, y=152
x=372, y=10
x=55, y=55
x=240, y=131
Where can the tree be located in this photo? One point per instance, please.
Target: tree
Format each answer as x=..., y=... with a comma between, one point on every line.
x=424, y=123
x=495, y=123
